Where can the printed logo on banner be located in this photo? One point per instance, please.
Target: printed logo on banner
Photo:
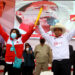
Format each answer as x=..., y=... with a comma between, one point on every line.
x=72, y=17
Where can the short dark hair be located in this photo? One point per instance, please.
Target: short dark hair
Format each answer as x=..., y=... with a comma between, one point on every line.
x=42, y=40
x=17, y=32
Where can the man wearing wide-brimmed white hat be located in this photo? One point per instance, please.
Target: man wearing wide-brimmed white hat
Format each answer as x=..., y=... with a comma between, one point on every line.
x=58, y=29
x=60, y=48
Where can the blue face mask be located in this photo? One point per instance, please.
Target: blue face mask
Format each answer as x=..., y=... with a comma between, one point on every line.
x=13, y=35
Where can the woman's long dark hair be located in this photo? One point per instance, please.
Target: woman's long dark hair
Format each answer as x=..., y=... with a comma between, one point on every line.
x=27, y=44
x=17, y=32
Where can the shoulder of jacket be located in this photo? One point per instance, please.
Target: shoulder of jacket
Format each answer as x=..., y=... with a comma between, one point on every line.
x=37, y=45
x=47, y=45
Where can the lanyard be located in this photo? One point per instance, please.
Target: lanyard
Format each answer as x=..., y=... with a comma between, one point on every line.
x=13, y=47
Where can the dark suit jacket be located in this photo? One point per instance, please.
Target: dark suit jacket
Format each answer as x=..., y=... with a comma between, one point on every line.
x=72, y=54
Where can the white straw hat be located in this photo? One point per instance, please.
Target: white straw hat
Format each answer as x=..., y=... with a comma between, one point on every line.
x=58, y=25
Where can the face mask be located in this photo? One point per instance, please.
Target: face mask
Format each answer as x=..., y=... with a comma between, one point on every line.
x=27, y=49
x=13, y=35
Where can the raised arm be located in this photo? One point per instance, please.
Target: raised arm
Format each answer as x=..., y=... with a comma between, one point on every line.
x=45, y=35
x=3, y=33
x=70, y=35
x=26, y=36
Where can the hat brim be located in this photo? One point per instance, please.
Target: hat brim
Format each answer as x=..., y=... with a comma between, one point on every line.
x=54, y=27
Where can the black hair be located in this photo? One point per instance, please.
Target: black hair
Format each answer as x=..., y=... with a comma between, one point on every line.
x=17, y=32
x=42, y=40
x=22, y=9
x=27, y=44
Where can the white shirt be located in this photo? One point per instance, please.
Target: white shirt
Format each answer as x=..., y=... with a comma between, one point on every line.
x=60, y=45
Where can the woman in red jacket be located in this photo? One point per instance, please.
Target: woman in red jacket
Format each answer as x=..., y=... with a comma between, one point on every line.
x=19, y=41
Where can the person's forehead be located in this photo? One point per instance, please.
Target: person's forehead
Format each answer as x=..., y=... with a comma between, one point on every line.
x=58, y=29
x=27, y=45
x=14, y=31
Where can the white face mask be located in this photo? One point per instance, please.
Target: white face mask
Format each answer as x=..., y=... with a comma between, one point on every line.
x=13, y=35
x=27, y=49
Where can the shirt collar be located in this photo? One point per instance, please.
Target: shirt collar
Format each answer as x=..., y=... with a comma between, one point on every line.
x=58, y=37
